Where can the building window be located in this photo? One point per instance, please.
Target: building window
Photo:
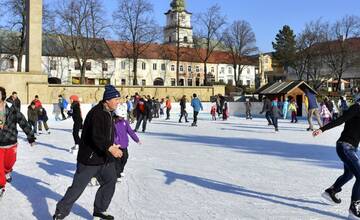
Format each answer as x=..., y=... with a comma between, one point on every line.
x=230, y=70
x=248, y=82
x=123, y=82
x=77, y=66
x=197, y=82
x=222, y=70
x=143, y=82
x=52, y=64
x=248, y=70
x=189, y=82
x=104, y=81
x=163, y=67
x=143, y=66
x=11, y=63
x=230, y=81
x=154, y=66
x=212, y=69
x=221, y=80
x=173, y=82
x=123, y=65
x=181, y=82
x=88, y=66
x=104, y=67
x=189, y=69
x=170, y=39
x=181, y=68
x=172, y=67
x=185, y=39
x=197, y=69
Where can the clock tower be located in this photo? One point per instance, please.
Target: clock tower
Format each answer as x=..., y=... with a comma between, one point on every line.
x=178, y=25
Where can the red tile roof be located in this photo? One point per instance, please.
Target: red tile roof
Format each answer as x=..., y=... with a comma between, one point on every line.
x=122, y=49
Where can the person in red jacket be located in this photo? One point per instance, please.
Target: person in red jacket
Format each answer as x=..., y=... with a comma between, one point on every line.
x=168, y=107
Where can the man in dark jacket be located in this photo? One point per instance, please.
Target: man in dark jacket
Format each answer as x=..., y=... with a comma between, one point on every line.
x=14, y=99
x=75, y=113
x=142, y=113
x=267, y=109
x=10, y=116
x=183, y=112
x=95, y=158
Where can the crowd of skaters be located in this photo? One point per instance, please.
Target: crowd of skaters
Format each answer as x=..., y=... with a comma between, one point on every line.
x=102, y=158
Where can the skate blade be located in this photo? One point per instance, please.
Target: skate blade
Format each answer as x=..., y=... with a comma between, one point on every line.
x=352, y=216
x=327, y=199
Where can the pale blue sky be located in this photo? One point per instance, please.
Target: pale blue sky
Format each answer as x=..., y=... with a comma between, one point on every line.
x=266, y=17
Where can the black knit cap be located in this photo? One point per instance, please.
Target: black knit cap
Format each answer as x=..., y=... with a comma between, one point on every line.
x=110, y=92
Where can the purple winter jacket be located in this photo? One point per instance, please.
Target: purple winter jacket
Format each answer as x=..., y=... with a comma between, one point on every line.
x=122, y=129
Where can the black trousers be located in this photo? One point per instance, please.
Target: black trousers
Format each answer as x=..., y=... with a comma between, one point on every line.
x=75, y=133
x=121, y=162
x=62, y=113
x=195, y=117
x=183, y=113
x=105, y=174
x=141, y=118
x=168, y=113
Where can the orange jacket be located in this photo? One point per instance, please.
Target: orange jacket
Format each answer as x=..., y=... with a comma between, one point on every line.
x=168, y=104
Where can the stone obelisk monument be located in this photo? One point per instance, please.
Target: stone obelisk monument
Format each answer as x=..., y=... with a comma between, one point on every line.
x=34, y=36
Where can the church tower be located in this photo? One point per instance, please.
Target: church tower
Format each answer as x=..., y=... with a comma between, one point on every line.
x=178, y=25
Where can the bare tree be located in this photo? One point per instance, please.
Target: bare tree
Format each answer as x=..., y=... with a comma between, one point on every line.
x=340, y=54
x=135, y=23
x=208, y=34
x=239, y=40
x=16, y=14
x=81, y=27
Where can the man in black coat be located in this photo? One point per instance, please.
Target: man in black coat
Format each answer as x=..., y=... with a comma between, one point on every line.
x=14, y=99
x=95, y=158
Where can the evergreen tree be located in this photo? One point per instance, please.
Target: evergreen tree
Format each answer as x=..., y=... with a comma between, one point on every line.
x=285, y=47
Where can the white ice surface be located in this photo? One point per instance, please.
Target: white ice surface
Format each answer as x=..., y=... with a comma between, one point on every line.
x=236, y=169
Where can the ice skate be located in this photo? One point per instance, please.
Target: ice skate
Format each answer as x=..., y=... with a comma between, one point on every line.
x=2, y=191
x=354, y=211
x=102, y=216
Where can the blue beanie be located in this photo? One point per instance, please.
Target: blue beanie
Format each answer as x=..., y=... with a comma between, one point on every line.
x=110, y=92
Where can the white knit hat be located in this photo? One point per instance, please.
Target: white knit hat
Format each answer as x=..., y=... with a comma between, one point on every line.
x=121, y=110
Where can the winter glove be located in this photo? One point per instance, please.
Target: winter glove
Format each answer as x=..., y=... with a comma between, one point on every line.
x=31, y=140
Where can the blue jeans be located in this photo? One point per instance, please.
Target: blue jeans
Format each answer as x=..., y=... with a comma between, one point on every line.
x=348, y=154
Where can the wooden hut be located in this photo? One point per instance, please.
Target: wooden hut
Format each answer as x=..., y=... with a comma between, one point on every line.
x=286, y=90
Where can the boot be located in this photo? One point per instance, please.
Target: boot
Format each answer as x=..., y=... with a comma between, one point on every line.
x=102, y=215
x=330, y=195
x=354, y=210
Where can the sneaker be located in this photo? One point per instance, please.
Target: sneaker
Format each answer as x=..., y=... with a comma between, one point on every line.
x=310, y=129
x=48, y=132
x=40, y=132
x=8, y=177
x=330, y=195
x=276, y=130
x=354, y=210
x=102, y=215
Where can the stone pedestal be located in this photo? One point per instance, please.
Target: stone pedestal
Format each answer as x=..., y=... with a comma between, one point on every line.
x=34, y=36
